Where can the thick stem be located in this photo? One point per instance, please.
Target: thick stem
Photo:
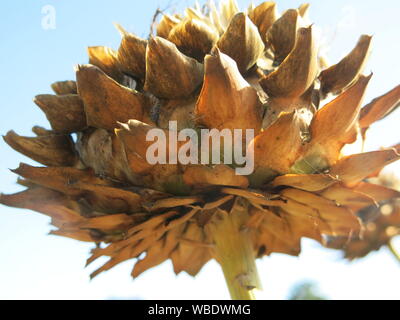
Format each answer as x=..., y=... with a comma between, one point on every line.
x=393, y=250
x=235, y=253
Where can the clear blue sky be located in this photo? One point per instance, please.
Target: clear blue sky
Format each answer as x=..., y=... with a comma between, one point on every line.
x=34, y=265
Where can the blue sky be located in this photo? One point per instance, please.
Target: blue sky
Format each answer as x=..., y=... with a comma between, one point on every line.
x=35, y=265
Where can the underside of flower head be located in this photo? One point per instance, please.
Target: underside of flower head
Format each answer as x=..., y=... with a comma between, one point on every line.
x=214, y=69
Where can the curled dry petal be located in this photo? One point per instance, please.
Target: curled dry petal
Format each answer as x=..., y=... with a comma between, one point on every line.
x=264, y=16
x=349, y=197
x=297, y=72
x=50, y=150
x=346, y=72
x=242, y=42
x=106, y=101
x=106, y=59
x=65, y=112
x=108, y=199
x=85, y=186
x=64, y=87
x=281, y=37
x=376, y=191
x=157, y=254
x=61, y=179
x=354, y=168
x=169, y=73
x=172, y=203
x=307, y=182
x=106, y=223
x=46, y=201
x=221, y=175
x=194, y=38
x=132, y=54
x=380, y=107
x=333, y=219
x=226, y=99
x=187, y=257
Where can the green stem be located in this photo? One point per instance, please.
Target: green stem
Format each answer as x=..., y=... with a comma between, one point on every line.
x=234, y=252
x=393, y=250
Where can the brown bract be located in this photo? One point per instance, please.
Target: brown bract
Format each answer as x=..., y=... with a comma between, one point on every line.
x=132, y=54
x=65, y=113
x=169, y=73
x=226, y=100
x=106, y=101
x=281, y=37
x=346, y=72
x=297, y=72
x=242, y=42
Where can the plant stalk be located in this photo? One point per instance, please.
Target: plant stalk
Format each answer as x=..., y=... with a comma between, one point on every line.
x=235, y=253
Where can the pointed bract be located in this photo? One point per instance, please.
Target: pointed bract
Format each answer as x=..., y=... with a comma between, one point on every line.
x=303, y=9
x=264, y=16
x=336, y=123
x=64, y=87
x=307, y=182
x=352, y=169
x=166, y=24
x=280, y=145
x=297, y=72
x=106, y=101
x=132, y=55
x=226, y=100
x=65, y=113
x=51, y=150
x=194, y=38
x=106, y=59
x=380, y=107
x=346, y=72
x=281, y=37
x=169, y=73
x=242, y=42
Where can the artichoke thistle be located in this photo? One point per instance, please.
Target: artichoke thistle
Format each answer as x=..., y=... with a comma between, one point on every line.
x=217, y=69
